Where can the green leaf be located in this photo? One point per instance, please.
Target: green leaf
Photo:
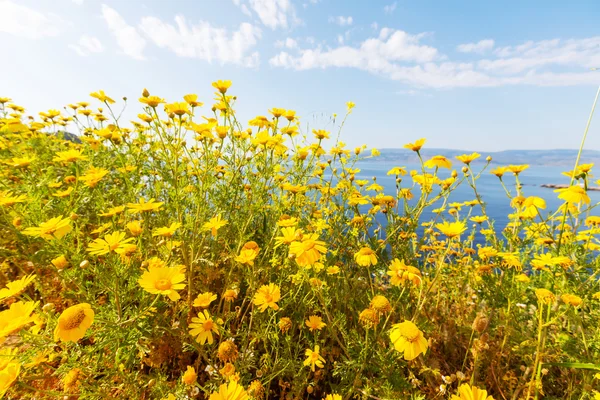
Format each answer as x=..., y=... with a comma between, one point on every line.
x=591, y=366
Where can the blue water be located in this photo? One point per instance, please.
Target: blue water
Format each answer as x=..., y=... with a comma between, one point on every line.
x=488, y=185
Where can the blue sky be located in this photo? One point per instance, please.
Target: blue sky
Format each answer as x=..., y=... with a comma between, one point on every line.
x=472, y=75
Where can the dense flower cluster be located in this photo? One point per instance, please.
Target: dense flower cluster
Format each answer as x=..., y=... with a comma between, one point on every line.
x=187, y=256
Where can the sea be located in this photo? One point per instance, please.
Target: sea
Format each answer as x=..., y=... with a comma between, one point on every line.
x=488, y=186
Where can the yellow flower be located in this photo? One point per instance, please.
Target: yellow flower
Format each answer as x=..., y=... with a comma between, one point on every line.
x=574, y=194
x=16, y=317
x=144, y=206
x=467, y=392
x=314, y=322
x=167, y=231
x=545, y=296
x=204, y=299
x=100, y=95
x=333, y=270
x=267, y=296
x=468, y=158
x=54, y=228
x=113, y=211
x=517, y=169
x=112, y=242
x=74, y=322
x=214, y=224
x=192, y=100
x=408, y=339
x=230, y=391
x=203, y=327
x=69, y=156
x=178, y=108
x=438, y=162
x=397, y=171
x=246, y=256
x=135, y=228
x=368, y=318
x=159, y=279
x=93, y=176
x=60, y=262
x=571, y=300
x=499, y=171
x=479, y=219
x=71, y=380
x=152, y=101
x=416, y=146
x=222, y=86
x=309, y=250
x=228, y=372
x=321, y=134
x=451, y=229
x=230, y=295
x=365, y=257
x=288, y=235
x=314, y=358
x=190, y=376
x=333, y=397
x=63, y=193
x=7, y=199
x=9, y=371
x=380, y=304
x=227, y=351
x=14, y=288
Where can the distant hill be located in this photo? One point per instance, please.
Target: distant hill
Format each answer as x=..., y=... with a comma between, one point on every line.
x=532, y=157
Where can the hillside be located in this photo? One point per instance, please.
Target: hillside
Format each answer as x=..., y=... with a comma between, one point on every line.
x=532, y=157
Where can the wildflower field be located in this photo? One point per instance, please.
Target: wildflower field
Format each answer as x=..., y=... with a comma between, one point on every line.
x=191, y=255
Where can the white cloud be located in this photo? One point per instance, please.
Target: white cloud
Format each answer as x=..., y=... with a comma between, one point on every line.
x=128, y=38
x=372, y=54
x=87, y=45
x=78, y=2
x=479, y=47
x=288, y=43
x=390, y=8
x=19, y=20
x=203, y=41
x=272, y=13
x=341, y=20
x=400, y=56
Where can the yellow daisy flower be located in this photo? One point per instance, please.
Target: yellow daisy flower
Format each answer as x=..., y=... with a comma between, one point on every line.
x=74, y=322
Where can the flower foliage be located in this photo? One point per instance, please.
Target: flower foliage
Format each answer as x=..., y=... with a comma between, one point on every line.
x=189, y=255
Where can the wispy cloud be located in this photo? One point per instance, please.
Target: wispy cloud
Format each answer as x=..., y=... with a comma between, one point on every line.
x=273, y=14
x=372, y=54
x=390, y=8
x=204, y=41
x=287, y=43
x=480, y=47
x=19, y=20
x=403, y=57
x=128, y=38
x=87, y=45
x=341, y=20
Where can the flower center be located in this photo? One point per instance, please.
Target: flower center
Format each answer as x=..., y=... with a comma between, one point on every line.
x=163, y=284
x=268, y=298
x=411, y=335
x=207, y=325
x=73, y=321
